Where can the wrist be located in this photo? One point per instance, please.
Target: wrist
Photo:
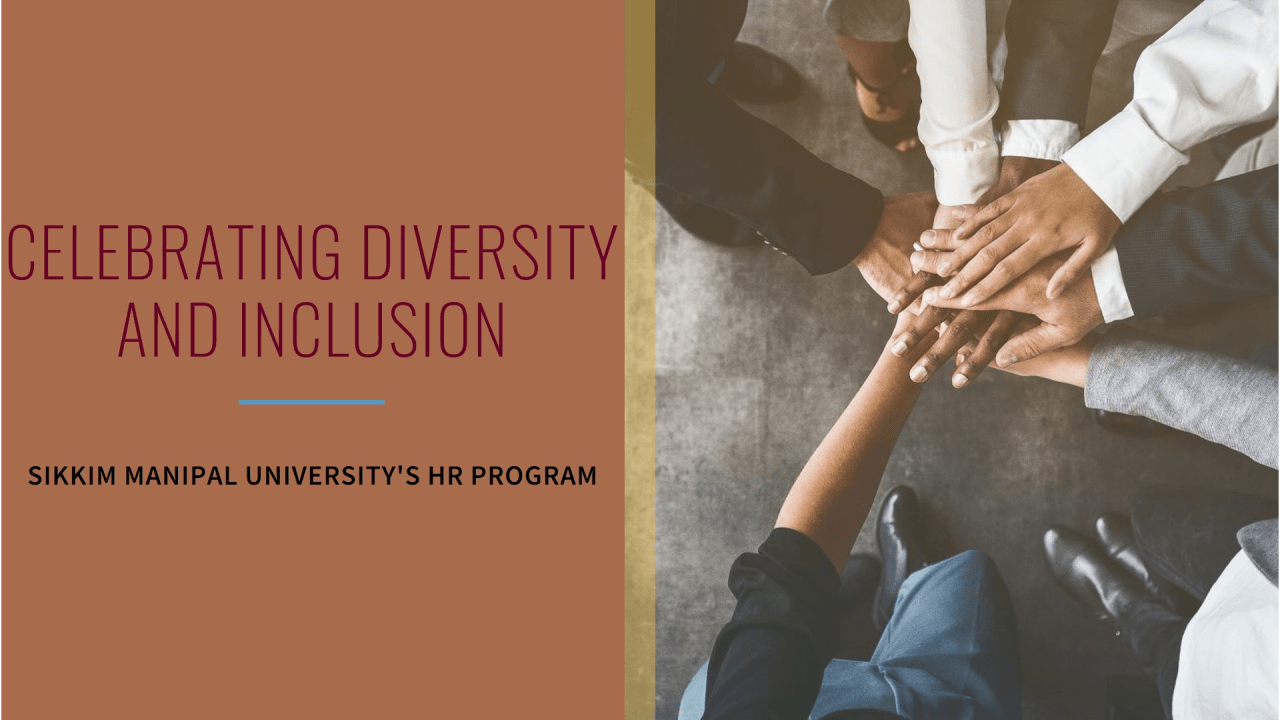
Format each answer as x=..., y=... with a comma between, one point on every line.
x=1021, y=169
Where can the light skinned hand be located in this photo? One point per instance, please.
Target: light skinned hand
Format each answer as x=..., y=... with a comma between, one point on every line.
x=885, y=260
x=1063, y=321
x=1069, y=365
x=1050, y=213
x=946, y=217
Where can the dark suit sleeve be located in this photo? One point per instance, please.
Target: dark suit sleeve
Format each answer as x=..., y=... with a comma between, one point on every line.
x=717, y=154
x=1053, y=48
x=1195, y=247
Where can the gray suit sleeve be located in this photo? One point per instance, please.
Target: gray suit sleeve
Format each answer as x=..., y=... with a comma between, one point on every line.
x=1194, y=247
x=1221, y=399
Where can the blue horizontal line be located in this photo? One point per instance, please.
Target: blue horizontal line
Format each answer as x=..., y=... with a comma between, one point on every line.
x=313, y=402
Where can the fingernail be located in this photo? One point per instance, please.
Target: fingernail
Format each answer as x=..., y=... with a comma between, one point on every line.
x=900, y=349
x=895, y=306
x=928, y=237
x=942, y=328
x=916, y=259
x=919, y=374
x=917, y=246
x=1007, y=360
x=930, y=295
x=968, y=301
x=960, y=380
x=960, y=359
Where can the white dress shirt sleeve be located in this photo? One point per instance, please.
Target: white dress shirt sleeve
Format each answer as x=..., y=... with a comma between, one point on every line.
x=1044, y=139
x=958, y=97
x=1212, y=72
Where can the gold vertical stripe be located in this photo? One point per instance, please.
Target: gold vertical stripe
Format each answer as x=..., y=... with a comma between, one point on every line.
x=638, y=611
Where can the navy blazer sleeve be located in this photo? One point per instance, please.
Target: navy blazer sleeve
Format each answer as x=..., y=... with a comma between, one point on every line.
x=1053, y=48
x=710, y=150
x=1195, y=247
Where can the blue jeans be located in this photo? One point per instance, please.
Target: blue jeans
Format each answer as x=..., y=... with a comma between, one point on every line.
x=950, y=651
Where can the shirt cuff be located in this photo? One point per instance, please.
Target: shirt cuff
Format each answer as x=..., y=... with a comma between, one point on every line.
x=1124, y=162
x=1042, y=139
x=960, y=177
x=1108, y=283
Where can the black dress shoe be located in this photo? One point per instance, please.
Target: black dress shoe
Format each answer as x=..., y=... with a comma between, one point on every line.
x=1133, y=425
x=1105, y=588
x=901, y=550
x=1116, y=534
x=704, y=222
x=754, y=75
x=859, y=578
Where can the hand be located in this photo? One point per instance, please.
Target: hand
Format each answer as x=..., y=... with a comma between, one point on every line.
x=981, y=334
x=885, y=261
x=1069, y=365
x=1014, y=171
x=908, y=296
x=1063, y=321
x=976, y=335
x=1050, y=213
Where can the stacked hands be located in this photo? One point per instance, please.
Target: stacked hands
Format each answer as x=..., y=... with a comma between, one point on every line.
x=1005, y=279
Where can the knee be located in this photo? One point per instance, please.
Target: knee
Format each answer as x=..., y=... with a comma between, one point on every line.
x=969, y=567
x=976, y=561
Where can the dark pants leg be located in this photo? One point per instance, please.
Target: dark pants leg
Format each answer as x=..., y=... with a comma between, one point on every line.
x=1187, y=536
x=1154, y=635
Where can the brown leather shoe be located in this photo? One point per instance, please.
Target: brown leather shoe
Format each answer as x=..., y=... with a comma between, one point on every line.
x=1105, y=588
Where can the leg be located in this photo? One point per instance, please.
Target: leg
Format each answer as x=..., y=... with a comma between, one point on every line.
x=951, y=649
x=1154, y=636
x=694, y=700
x=872, y=37
x=1188, y=535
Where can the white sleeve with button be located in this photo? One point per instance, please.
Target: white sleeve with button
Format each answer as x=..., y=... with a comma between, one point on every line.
x=1212, y=72
x=958, y=97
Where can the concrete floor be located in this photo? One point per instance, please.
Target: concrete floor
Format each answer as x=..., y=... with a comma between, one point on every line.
x=756, y=359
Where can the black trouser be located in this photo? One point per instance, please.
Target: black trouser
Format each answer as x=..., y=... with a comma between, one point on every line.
x=1186, y=536
x=715, y=154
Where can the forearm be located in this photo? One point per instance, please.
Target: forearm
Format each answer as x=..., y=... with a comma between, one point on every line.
x=1221, y=399
x=719, y=155
x=1212, y=72
x=1053, y=48
x=1194, y=247
x=958, y=98
x=834, y=492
